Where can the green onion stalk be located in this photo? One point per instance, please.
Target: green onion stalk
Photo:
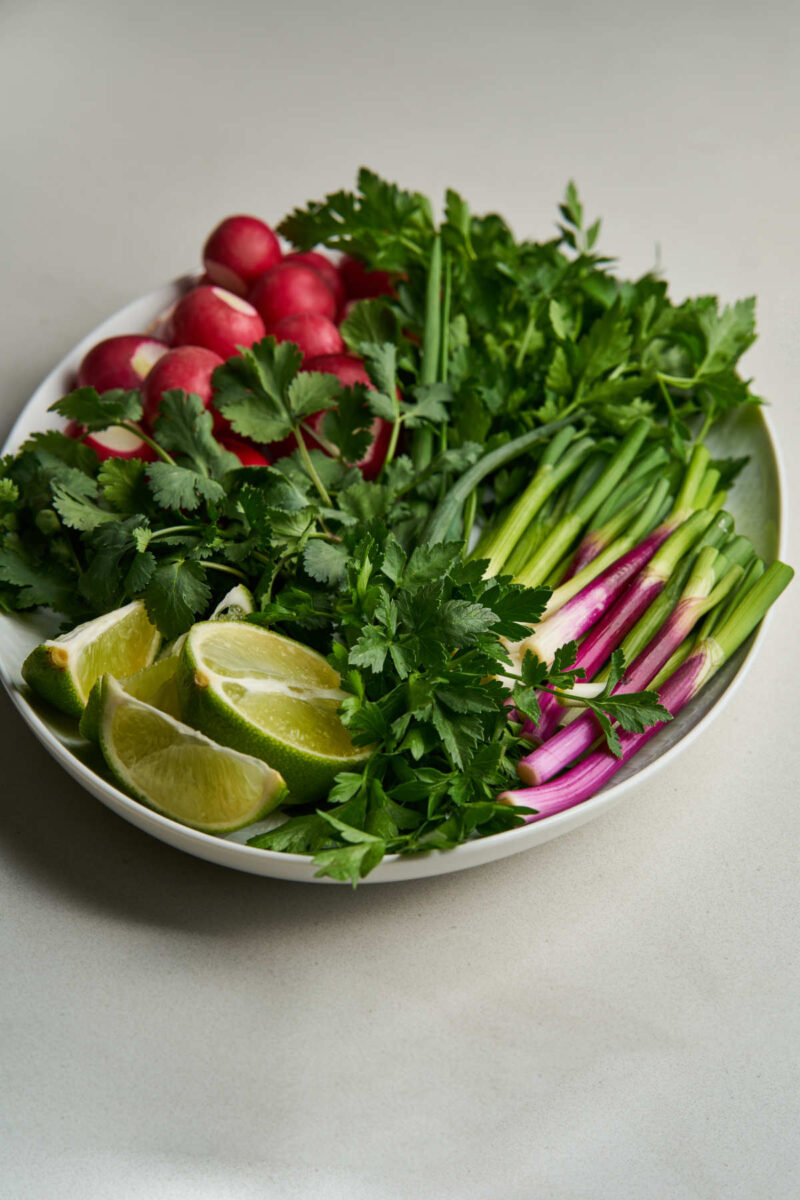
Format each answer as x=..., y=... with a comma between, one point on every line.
x=712, y=579
x=581, y=782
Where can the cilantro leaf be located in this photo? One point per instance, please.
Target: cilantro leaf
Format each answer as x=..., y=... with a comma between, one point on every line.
x=176, y=594
x=350, y=863
x=79, y=512
x=123, y=485
x=185, y=427
x=634, y=711
x=727, y=334
x=94, y=411
x=431, y=401
x=325, y=561
x=311, y=393
x=298, y=835
x=262, y=394
x=179, y=488
x=368, y=321
x=348, y=426
x=37, y=583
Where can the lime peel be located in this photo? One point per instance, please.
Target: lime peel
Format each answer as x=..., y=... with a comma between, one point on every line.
x=269, y=696
x=179, y=771
x=64, y=669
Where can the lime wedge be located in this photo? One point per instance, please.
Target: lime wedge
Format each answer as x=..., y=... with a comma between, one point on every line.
x=234, y=605
x=64, y=669
x=156, y=684
x=269, y=696
x=177, y=770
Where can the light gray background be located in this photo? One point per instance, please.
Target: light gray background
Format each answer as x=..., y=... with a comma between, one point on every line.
x=613, y=1015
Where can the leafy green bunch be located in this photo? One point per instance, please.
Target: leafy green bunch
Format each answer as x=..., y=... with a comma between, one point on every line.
x=535, y=331
x=85, y=536
x=418, y=647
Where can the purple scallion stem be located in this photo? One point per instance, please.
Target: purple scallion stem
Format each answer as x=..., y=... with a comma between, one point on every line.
x=574, y=739
x=573, y=619
x=603, y=639
x=594, y=772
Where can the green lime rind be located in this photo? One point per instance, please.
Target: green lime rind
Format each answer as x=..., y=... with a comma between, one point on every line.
x=154, y=685
x=235, y=605
x=46, y=671
x=63, y=670
x=178, y=771
x=204, y=705
x=92, y=714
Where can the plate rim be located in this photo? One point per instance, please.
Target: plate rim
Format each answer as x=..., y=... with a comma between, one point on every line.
x=298, y=868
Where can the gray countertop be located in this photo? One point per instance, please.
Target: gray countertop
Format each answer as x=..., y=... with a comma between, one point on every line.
x=611, y=1016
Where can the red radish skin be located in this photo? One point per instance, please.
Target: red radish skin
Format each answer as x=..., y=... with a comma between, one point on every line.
x=289, y=289
x=238, y=251
x=313, y=333
x=328, y=270
x=120, y=362
x=114, y=442
x=349, y=371
x=189, y=368
x=247, y=455
x=361, y=284
x=217, y=320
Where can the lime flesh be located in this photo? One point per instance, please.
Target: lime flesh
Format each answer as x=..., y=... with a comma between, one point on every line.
x=178, y=771
x=63, y=670
x=271, y=697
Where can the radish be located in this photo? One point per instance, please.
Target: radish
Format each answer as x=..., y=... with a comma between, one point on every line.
x=248, y=455
x=349, y=371
x=313, y=333
x=238, y=251
x=324, y=267
x=114, y=442
x=291, y=288
x=120, y=362
x=216, y=319
x=363, y=284
x=189, y=368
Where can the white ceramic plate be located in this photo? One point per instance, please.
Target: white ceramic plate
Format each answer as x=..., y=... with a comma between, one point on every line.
x=754, y=502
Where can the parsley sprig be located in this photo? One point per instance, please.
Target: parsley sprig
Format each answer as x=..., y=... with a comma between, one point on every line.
x=419, y=649
x=631, y=711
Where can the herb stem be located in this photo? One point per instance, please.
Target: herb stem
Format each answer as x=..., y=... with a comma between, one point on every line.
x=226, y=570
x=170, y=529
x=445, y=334
x=390, y=453
x=148, y=441
x=470, y=509
x=523, y=346
x=431, y=347
x=311, y=469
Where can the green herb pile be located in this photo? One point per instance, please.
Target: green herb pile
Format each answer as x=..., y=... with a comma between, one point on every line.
x=492, y=343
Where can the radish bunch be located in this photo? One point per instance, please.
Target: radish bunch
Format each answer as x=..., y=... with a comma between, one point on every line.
x=250, y=289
